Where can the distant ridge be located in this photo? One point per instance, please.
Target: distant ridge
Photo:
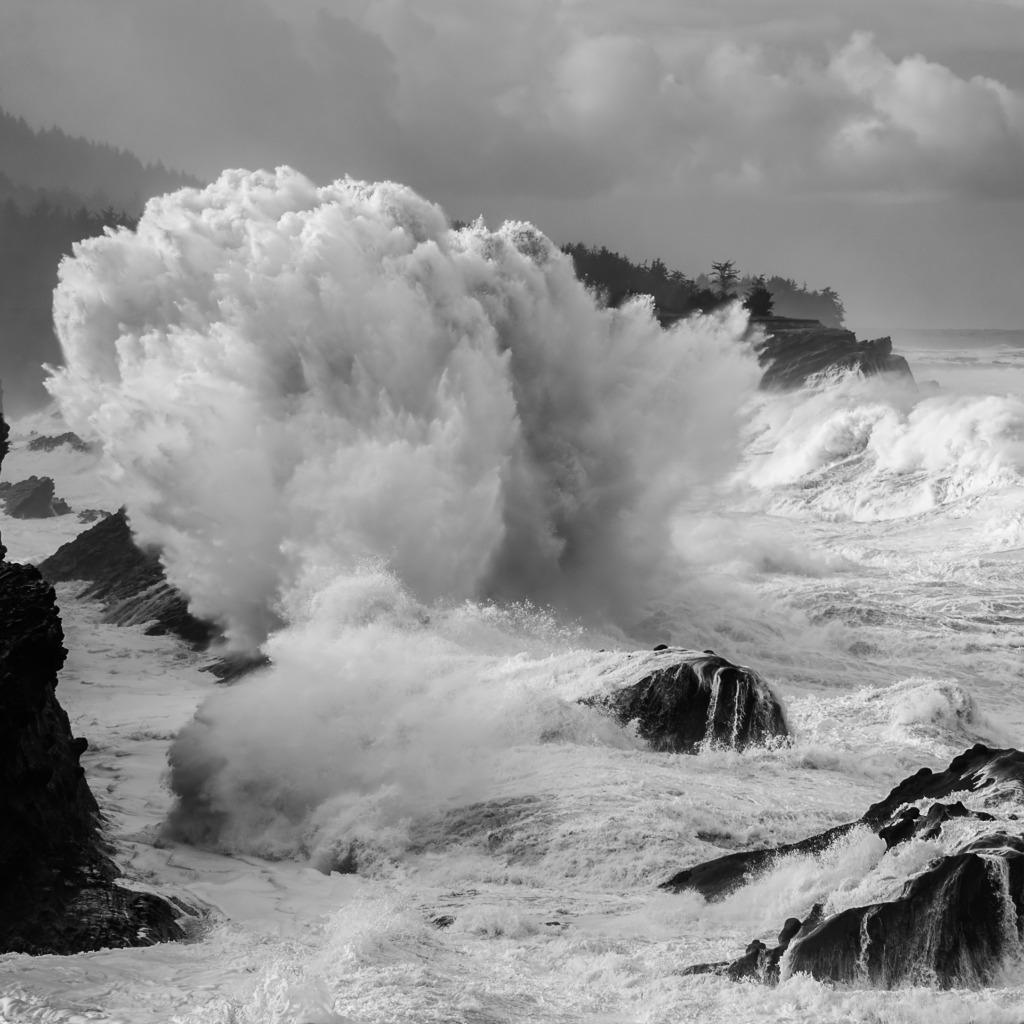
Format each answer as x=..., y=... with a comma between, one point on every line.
x=70, y=171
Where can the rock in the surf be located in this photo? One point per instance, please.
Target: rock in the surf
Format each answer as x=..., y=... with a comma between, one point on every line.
x=33, y=498
x=128, y=579
x=50, y=442
x=58, y=889
x=58, y=884
x=794, y=350
x=759, y=961
x=696, y=698
x=978, y=768
x=952, y=924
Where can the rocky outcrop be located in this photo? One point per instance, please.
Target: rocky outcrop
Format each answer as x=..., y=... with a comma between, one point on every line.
x=952, y=924
x=129, y=580
x=975, y=769
x=58, y=889
x=48, y=442
x=759, y=962
x=696, y=700
x=33, y=498
x=794, y=350
x=58, y=884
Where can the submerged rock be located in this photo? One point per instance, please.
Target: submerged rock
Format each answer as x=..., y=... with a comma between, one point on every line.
x=129, y=580
x=952, y=924
x=32, y=498
x=698, y=698
x=758, y=961
x=794, y=350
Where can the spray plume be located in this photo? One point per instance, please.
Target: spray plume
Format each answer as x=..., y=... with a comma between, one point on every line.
x=344, y=422
x=293, y=379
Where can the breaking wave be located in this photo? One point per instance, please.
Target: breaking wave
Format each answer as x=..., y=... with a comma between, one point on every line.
x=870, y=449
x=290, y=380
x=341, y=420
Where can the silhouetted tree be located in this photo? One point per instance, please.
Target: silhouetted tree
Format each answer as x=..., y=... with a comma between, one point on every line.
x=724, y=275
x=759, y=300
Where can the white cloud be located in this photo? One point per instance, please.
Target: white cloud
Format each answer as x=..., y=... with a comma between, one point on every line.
x=543, y=98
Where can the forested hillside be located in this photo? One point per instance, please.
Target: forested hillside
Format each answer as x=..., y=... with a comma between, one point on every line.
x=616, y=277
x=55, y=189
x=71, y=171
x=32, y=243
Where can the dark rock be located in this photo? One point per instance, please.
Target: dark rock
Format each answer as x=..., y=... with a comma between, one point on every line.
x=794, y=350
x=90, y=515
x=47, y=443
x=58, y=891
x=981, y=767
x=696, y=699
x=32, y=499
x=715, y=879
x=233, y=667
x=129, y=580
x=443, y=921
x=972, y=770
x=952, y=924
x=758, y=961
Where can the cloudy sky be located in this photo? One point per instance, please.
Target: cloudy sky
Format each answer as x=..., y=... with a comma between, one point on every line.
x=876, y=146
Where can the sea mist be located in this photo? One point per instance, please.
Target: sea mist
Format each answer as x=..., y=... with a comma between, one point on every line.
x=340, y=419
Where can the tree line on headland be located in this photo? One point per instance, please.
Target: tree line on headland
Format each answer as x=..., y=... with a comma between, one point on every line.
x=616, y=278
x=56, y=190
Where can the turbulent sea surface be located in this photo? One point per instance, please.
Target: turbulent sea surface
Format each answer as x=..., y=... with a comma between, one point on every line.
x=437, y=582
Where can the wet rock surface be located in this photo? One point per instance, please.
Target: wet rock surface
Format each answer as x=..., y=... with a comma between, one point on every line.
x=33, y=498
x=58, y=884
x=952, y=924
x=699, y=699
x=58, y=891
x=128, y=580
x=48, y=443
x=794, y=350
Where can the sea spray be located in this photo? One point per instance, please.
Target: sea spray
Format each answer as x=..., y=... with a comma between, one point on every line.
x=340, y=420
x=290, y=379
x=876, y=449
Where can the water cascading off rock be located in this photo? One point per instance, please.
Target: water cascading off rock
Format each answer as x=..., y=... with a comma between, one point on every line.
x=697, y=698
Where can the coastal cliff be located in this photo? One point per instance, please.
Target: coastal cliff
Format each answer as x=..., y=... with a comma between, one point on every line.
x=791, y=351
x=58, y=884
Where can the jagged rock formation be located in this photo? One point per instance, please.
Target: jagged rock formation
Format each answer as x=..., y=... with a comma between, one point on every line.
x=90, y=515
x=129, y=581
x=759, y=961
x=33, y=498
x=794, y=350
x=58, y=890
x=47, y=442
x=952, y=924
x=698, y=699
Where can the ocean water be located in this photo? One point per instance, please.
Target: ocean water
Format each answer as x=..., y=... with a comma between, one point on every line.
x=475, y=501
